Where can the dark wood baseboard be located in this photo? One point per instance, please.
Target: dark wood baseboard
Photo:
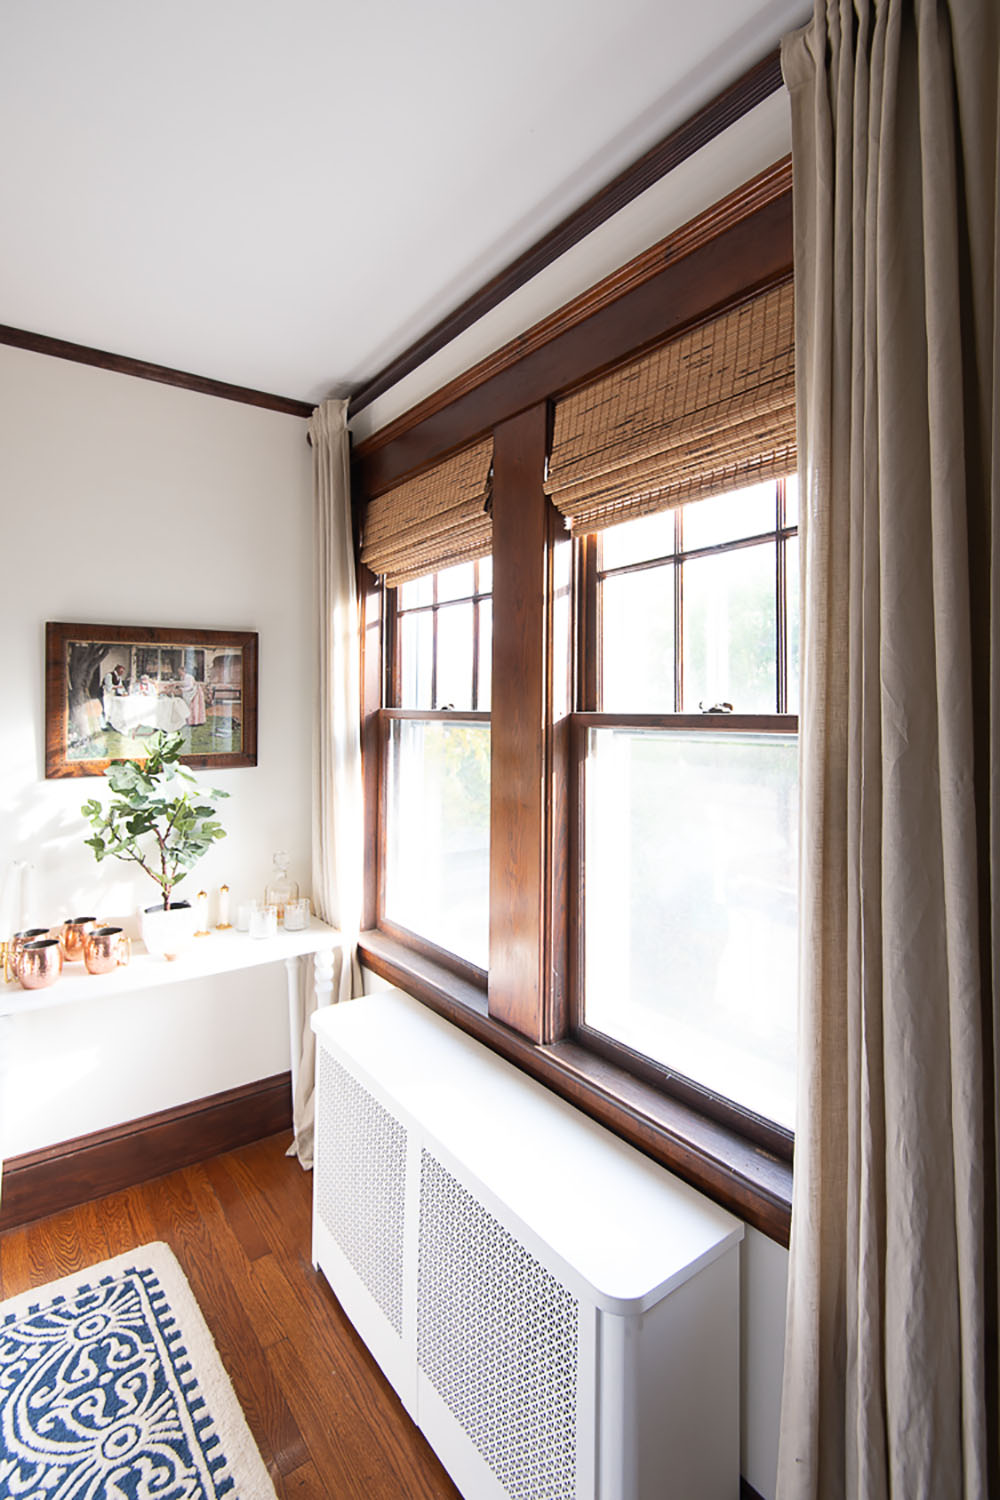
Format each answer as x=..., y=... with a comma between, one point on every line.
x=56, y=1177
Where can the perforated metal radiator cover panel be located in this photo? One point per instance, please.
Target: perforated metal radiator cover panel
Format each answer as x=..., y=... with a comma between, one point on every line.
x=497, y=1338
x=361, y=1183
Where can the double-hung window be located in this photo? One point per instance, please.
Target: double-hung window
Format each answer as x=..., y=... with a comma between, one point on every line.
x=582, y=731
x=430, y=539
x=687, y=878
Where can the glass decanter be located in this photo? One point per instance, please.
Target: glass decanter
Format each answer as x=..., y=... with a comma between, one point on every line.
x=280, y=888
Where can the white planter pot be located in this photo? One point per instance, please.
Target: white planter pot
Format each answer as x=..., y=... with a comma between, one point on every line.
x=167, y=933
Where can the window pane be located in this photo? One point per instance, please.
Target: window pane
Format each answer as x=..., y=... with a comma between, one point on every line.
x=416, y=644
x=638, y=541
x=420, y=591
x=637, y=642
x=792, y=595
x=730, y=632
x=485, y=575
x=690, y=923
x=726, y=518
x=454, y=645
x=457, y=582
x=438, y=834
x=485, y=608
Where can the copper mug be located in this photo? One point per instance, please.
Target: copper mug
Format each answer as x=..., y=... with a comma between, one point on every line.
x=104, y=948
x=73, y=934
x=39, y=963
x=17, y=942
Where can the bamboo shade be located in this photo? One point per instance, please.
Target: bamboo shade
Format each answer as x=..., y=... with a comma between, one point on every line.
x=712, y=411
x=431, y=522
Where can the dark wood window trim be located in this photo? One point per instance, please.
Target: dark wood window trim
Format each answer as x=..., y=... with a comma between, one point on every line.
x=523, y=1015
x=768, y=187
x=744, y=1177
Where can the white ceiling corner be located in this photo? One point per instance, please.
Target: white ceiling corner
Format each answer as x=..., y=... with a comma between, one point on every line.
x=286, y=196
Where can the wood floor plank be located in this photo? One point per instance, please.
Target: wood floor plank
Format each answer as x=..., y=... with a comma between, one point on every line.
x=212, y=1259
x=241, y=1219
x=304, y=1483
x=118, y=1223
x=328, y=1425
x=15, y=1263
x=276, y=1191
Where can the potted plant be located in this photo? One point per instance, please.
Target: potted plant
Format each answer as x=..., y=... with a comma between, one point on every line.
x=160, y=824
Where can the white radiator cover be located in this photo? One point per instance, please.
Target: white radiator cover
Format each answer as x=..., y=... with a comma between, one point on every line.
x=557, y=1314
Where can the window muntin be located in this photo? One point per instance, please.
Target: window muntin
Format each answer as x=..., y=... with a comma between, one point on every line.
x=694, y=607
x=687, y=921
x=443, y=640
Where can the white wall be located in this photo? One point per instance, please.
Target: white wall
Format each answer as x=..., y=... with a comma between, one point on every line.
x=127, y=502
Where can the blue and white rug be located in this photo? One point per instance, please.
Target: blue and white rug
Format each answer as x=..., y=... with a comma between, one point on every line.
x=112, y=1389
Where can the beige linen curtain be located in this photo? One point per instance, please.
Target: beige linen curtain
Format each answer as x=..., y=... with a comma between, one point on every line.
x=337, y=812
x=890, y=1365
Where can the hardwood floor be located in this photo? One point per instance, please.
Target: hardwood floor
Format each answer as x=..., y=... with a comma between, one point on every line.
x=326, y=1421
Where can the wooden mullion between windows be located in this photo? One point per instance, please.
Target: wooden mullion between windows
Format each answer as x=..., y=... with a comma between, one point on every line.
x=520, y=737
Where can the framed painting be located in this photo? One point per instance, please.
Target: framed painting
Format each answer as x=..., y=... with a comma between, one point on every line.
x=109, y=687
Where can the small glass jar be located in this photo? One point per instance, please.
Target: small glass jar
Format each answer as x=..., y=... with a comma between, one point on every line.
x=264, y=922
x=244, y=911
x=297, y=915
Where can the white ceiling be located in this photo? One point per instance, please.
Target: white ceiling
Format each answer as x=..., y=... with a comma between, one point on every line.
x=284, y=194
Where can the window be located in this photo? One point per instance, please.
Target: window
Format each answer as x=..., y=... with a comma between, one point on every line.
x=687, y=896
x=437, y=758
x=575, y=858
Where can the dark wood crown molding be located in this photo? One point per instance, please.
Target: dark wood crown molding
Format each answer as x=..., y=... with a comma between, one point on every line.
x=767, y=187
x=121, y=364
x=724, y=110
x=742, y=259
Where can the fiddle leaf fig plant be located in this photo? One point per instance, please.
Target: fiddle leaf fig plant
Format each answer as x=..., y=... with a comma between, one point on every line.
x=153, y=819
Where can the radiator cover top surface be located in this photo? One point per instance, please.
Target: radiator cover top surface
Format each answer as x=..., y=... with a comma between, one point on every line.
x=544, y=1160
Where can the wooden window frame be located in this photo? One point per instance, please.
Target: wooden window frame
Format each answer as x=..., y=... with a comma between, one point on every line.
x=524, y=1012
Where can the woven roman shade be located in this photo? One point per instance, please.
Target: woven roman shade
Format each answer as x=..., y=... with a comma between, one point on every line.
x=713, y=410
x=431, y=522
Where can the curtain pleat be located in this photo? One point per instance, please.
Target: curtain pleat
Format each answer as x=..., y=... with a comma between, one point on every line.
x=890, y=1385
x=337, y=837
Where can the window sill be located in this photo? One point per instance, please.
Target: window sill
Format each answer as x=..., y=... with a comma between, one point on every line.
x=741, y=1176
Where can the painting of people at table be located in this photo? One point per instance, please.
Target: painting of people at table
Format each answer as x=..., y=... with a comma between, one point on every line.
x=118, y=693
